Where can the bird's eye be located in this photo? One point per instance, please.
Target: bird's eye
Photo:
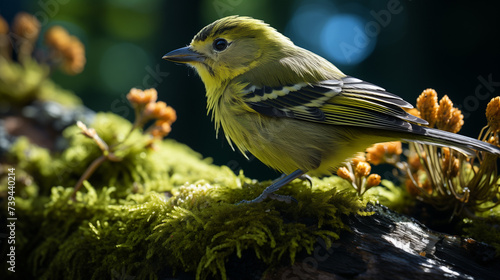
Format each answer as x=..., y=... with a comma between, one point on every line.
x=220, y=44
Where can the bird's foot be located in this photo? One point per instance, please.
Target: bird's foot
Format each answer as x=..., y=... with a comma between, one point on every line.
x=278, y=183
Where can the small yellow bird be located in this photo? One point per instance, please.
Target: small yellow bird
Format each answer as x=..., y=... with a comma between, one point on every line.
x=294, y=110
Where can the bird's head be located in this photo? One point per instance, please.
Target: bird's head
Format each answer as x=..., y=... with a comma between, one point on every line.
x=229, y=47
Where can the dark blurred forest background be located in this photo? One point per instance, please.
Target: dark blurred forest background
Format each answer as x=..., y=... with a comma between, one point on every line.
x=402, y=45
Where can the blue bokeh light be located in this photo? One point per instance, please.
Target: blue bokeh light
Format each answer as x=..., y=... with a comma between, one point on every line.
x=344, y=39
x=305, y=26
x=344, y=34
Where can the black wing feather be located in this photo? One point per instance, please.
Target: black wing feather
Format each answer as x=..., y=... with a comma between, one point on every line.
x=348, y=101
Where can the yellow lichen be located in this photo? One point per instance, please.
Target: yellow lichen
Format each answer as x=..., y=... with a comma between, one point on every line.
x=26, y=26
x=373, y=180
x=493, y=114
x=449, y=118
x=384, y=152
x=344, y=173
x=427, y=104
x=363, y=169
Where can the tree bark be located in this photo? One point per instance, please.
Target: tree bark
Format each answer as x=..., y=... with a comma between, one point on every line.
x=387, y=245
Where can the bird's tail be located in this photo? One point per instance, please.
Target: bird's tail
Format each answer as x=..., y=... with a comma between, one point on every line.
x=464, y=144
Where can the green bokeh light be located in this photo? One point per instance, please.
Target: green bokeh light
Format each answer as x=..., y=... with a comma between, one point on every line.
x=122, y=66
x=130, y=24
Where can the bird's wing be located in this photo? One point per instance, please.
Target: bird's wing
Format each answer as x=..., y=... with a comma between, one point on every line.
x=347, y=101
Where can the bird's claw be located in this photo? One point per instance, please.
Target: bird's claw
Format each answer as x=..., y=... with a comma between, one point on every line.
x=307, y=178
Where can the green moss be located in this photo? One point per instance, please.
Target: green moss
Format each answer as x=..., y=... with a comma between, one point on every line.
x=394, y=197
x=210, y=229
x=32, y=159
x=485, y=228
x=165, y=208
x=161, y=168
x=161, y=207
x=196, y=231
x=22, y=83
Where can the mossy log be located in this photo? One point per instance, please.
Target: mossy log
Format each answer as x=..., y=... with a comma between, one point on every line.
x=181, y=222
x=388, y=245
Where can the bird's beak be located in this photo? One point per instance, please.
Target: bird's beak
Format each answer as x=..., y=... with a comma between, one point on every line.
x=184, y=55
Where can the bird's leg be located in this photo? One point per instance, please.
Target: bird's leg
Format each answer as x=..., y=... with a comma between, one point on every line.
x=278, y=183
x=303, y=177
